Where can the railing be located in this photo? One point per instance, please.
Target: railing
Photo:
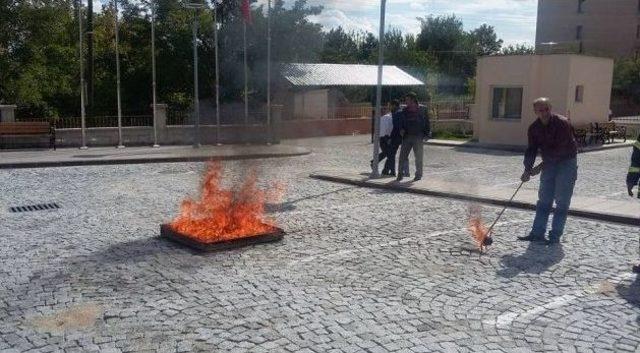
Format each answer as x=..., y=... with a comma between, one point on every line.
x=451, y=109
x=228, y=116
x=353, y=112
x=98, y=121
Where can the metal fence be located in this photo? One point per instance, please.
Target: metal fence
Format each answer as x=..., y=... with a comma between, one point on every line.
x=451, y=109
x=228, y=116
x=98, y=121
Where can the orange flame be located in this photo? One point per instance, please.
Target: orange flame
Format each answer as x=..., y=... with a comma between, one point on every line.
x=478, y=231
x=224, y=214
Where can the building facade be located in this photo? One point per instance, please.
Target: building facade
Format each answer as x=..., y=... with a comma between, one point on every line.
x=595, y=27
x=579, y=87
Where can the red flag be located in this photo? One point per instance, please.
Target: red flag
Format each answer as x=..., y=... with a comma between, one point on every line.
x=246, y=11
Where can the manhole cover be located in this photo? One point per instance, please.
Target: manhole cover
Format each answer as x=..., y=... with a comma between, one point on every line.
x=31, y=208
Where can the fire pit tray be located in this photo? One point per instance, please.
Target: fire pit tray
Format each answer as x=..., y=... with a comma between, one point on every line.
x=167, y=232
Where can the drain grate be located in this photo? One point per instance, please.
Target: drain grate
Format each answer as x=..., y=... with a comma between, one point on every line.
x=38, y=207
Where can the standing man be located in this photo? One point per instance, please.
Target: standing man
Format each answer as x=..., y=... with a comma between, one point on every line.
x=551, y=134
x=633, y=175
x=414, y=127
x=386, y=129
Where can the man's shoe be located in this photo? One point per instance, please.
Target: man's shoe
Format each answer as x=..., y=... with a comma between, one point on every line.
x=392, y=173
x=553, y=241
x=417, y=178
x=399, y=178
x=531, y=237
x=635, y=268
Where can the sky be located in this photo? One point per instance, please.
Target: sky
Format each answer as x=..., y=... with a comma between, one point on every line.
x=514, y=20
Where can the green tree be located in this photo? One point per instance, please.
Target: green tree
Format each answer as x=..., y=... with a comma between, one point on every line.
x=518, y=49
x=626, y=79
x=486, y=40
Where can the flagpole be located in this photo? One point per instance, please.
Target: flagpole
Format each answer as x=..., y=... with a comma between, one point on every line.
x=83, y=123
x=120, y=145
x=376, y=120
x=269, y=137
x=153, y=72
x=196, y=99
x=246, y=75
x=215, y=41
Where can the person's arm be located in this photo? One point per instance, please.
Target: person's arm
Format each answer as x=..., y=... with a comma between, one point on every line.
x=529, y=157
x=427, y=123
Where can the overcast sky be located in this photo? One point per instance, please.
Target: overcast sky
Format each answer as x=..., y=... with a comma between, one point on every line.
x=514, y=20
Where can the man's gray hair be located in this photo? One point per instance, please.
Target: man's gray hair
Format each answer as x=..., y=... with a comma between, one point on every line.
x=543, y=101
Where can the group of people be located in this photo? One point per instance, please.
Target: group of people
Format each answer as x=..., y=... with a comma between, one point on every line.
x=550, y=135
x=405, y=128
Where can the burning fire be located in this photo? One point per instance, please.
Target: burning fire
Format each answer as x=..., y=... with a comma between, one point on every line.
x=224, y=214
x=478, y=229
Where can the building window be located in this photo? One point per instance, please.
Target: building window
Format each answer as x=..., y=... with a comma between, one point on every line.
x=579, y=93
x=507, y=103
x=580, y=7
x=579, y=32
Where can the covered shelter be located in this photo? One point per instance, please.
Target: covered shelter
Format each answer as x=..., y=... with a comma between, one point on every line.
x=314, y=91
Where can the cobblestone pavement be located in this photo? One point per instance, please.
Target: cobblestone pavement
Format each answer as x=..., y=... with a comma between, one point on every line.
x=359, y=271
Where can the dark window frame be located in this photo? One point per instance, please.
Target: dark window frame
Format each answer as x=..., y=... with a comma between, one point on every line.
x=504, y=101
x=579, y=32
x=579, y=97
x=580, y=8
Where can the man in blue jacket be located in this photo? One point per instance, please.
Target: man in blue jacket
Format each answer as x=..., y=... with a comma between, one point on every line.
x=414, y=127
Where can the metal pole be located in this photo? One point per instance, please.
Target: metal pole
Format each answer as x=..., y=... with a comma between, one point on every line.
x=269, y=127
x=196, y=102
x=83, y=122
x=215, y=41
x=90, y=61
x=376, y=120
x=153, y=72
x=246, y=76
x=120, y=145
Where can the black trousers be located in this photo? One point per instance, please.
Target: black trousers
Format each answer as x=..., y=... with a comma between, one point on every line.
x=388, y=151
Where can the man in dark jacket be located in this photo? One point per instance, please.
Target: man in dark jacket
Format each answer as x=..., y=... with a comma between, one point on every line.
x=414, y=127
x=633, y=175
x=551, y=134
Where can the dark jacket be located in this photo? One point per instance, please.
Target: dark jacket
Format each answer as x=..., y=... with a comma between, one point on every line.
x=416, y=124
x=555, y=141
x=396, y=138
x=633, y=176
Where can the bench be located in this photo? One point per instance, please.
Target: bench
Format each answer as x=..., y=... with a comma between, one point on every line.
x=580, y=133
x=611, y=131
x=29, y=128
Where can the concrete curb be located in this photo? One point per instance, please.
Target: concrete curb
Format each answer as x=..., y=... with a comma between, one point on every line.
x=583, y=213
x=145, y=160
x=508, y=148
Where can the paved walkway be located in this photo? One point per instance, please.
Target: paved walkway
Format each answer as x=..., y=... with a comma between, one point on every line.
x=622, y=211
x=134, y=155
x=360, y=269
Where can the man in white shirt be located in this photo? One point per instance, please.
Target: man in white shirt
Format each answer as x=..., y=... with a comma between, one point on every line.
x=386, y=126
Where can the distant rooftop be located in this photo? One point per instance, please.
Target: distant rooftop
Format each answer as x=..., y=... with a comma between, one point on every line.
x=346, y=75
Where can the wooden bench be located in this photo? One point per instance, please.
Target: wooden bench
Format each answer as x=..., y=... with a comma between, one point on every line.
x=611, y=131
x=580, y=133
x=29, y=128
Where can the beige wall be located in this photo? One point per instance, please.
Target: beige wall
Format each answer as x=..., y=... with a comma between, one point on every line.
x=311, y=104
x=608, y=26
x=595, y=74
x=553, y=76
